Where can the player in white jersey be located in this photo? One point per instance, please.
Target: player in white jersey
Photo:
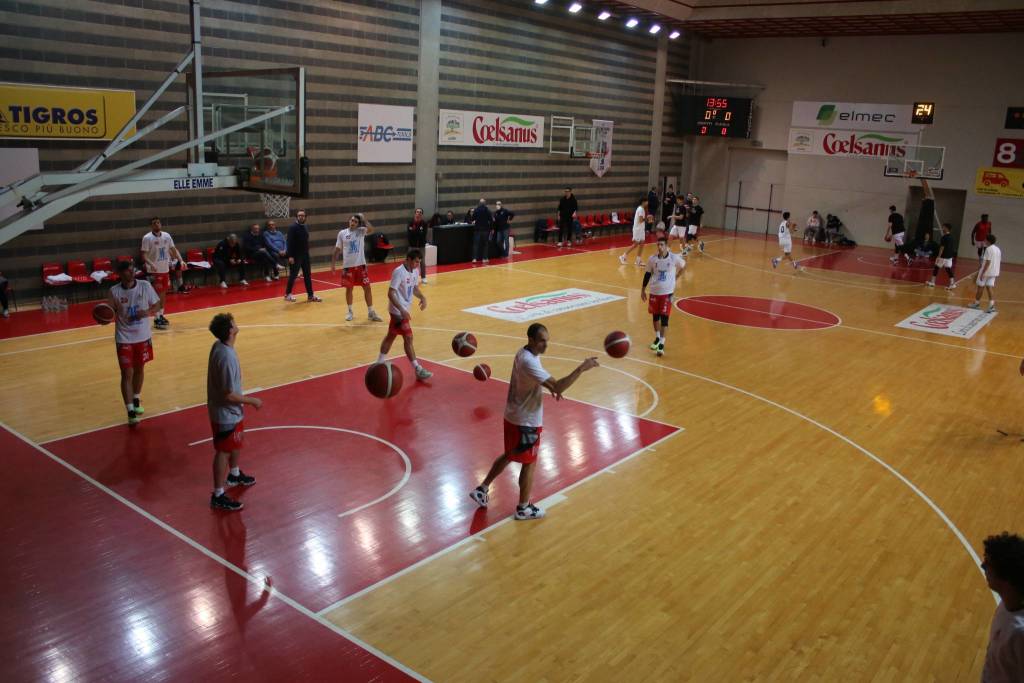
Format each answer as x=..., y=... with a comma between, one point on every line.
x=786, y=228
x=133, y=301
x=351, y=244
x=405, y=284
x=663, y=272
x=641, y=219
x=157, y=250
x=524, y=418
x=991, y=260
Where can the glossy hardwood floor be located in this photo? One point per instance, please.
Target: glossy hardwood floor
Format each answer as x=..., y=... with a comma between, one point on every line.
x=813, y=521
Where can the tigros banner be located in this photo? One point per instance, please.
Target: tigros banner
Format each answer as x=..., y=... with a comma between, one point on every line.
x=850, y=143
x=853, y=116
x=39, y=112
x=489, y=129
x=385, y=134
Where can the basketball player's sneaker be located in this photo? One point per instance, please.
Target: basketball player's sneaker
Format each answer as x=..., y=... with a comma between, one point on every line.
x=974, y=305
x=661, y=348
x=622, y=259
x=654, y=344
x=375, y=318
x=931, y=283
x=951, y=286
x=796, y=265
x=530, y=511
x=894, y=259
x=313, y=299
x=244, y=283
x=137, y=405
x=423, y=374
x=240, y=479
x=133, y=418
x=348, y=316
x=222, y=502
x=638, y=261
x=700, y=245
x=991, y=308
x=267, y=278
x=479, y=496
x=775, y=262
x=289, y=297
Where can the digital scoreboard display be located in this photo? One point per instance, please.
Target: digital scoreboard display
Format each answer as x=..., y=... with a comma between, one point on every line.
x=710, y=116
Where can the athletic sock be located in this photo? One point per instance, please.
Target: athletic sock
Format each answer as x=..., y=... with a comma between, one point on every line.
x=415, y=364
x=235, y=471
x=349, y=309
x=218, y=492
x=381, y=358
x=130, y=407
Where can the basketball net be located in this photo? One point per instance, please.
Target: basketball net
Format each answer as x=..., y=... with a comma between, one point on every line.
x=276, y=205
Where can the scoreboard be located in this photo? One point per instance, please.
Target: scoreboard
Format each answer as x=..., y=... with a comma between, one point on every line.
x=710, y=116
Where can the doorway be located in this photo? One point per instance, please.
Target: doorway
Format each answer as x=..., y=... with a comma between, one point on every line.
x=757, y=185
x=949, y=205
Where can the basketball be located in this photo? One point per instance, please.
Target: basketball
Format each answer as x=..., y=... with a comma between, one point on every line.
x=464, y=344
x=482, y=372
x=383, y=380
x=888, y=238
x=616, y=344
x=103, y=314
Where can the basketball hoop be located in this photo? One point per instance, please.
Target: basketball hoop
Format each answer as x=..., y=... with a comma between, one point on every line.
x=276, y=205
x=911, y=173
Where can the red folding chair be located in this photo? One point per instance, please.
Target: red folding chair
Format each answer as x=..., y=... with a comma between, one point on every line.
x=105, y=264
x=53, y=269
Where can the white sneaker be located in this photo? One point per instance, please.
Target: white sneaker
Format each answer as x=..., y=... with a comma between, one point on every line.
x=639, y=262
x=700, y=246
x=951, y=286
x=486, y=261
x=267, y=278
x=931, y=283
x=424, y=281
x=473, y=261
x=223, y=285
x=991, y=309
x=349, y=316
x=622, y=259
x=530, y=511
x=244, y=283
x=479, y=497
x=894, y=259
x=796, y=265
x=974, y=305
x=289, y=297
x=775, y=262
x=423, y=374
x=6, y=313
x=558, y=244
x=375, y=318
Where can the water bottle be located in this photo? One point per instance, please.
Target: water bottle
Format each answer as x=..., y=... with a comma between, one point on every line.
x=46, y=304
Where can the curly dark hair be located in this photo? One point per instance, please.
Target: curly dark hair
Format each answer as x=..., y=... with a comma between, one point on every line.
x=1004, y=557
x=220, y=326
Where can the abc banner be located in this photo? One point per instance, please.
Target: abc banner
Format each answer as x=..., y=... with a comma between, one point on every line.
x=43, y=112
x=489, y=129
x=385, y=134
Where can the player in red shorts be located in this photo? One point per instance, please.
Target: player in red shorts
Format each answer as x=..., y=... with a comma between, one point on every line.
x=663, y=272
x=351, y=244
x=157, y=250
x=524, y=417
x=224, y=401
x=133, y=301
x=405, y=284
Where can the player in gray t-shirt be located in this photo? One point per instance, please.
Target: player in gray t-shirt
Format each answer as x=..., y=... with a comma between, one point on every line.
x=224, y=401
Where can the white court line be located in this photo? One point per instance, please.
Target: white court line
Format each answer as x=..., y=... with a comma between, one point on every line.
x=402, y=454
x=260, y=584
x=554, y=498
x=811, y=258
x=774, y=315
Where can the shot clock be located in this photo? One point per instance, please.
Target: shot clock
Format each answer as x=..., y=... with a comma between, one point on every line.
x=713, y=116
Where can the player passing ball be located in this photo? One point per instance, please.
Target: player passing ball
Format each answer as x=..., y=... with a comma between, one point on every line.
x=524, y=418
x=786, y=228
x=663, y=272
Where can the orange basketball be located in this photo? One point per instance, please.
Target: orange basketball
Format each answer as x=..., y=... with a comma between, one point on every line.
x=464, y=344
x=616, y=344
x=482, y=372
x=103, y=313
x=383, y=380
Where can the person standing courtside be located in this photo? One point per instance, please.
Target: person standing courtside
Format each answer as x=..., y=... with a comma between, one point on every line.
x=991, y=259
x=567, y=208
x=224, y=401
x=524, y=418
x=502, y=218
x=483, y=229
x=351, y=244
x=416, y=232
x=979, y=232
x=641, y=218
x=157, y=250
x=944, y=259
x=668, y=205
x=1004, y=573
x=298, y=257
x=133, y=301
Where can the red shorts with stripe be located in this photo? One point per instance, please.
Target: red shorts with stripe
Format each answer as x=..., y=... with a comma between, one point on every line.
x=512, y=438
x=659, y=304
x=399, y=327
x=228, y=439
x=135, y=355
x=356, y=276
x=161, y=282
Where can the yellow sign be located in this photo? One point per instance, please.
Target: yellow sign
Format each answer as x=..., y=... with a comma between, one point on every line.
x=1000, y=182
x=34, y=112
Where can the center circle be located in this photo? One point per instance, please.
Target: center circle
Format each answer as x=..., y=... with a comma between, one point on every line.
x=749, y=311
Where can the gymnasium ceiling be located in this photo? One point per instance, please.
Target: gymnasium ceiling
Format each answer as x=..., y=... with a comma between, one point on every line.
x=820, y=18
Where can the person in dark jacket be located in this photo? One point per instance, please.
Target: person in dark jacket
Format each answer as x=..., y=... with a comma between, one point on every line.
x=567, y=208
x=652, y=202
x=502, y=218
x=298, y=257
x=255, y=249
x=668, y=204
x=483, y=229
x=228, y=253
x=449, y=218
x=416, y=231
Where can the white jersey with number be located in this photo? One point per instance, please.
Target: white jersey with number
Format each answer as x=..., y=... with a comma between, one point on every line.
x=525, y=404
x=403, y=281
x=663, y=272
x=156, y=250
x=784, y=236
x=352, y=245
x=994, y=256
x=639, y=219
x=131, y=324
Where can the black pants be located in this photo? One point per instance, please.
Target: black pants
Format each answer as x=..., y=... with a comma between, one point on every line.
x=564, y=229
x=481, y=244
x=3, y=293
x=222, y=269
x=264, y=260
x=418, y=240
x=293, y=272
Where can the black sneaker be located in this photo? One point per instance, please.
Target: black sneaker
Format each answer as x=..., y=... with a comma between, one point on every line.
x=222, y=502
x=242, y=479
x=164, y=321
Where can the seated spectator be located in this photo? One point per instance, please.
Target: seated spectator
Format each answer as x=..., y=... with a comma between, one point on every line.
x=276, y=243
x=833, y=229
x=926, y=248
x=577, y=229
x=255, y=249
x=228, y=253
x=3, y=295
x=449, y=218
x=813, y=228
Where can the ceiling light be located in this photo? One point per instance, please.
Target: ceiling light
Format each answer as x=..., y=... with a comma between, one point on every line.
x=541, y=2
x=604, y=15
x=575, y=7
x=673, y=35
x=654, y=29
x=631, y=23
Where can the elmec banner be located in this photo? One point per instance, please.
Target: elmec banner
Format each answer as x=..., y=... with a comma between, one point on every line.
x=43, y=112
x=489, y=129
x=854, y=116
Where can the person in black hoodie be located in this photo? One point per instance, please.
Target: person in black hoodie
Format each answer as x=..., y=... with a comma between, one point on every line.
x=416, y=231
x=298, y=257
x=567, y=207
x=483, y=223
x=502, y=218
x=228, y=252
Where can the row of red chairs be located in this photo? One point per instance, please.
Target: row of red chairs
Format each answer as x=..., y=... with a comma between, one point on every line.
x=595, y=220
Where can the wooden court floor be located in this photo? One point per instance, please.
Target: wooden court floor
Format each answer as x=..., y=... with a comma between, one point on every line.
x=817, y=517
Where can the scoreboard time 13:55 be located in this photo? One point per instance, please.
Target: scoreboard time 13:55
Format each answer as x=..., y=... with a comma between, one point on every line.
x=717, y=116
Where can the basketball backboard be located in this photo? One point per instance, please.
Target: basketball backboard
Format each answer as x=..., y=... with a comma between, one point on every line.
x=570, y=139
x=921, y=161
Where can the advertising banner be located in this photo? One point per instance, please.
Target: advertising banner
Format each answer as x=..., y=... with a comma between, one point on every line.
x=1000, y=182
x=949, y=321
x=854, y=116
x=385, y=134
x=489, y=129
x=603, y=146
x=43, y=112
x=850, y=143
x=536, y=306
